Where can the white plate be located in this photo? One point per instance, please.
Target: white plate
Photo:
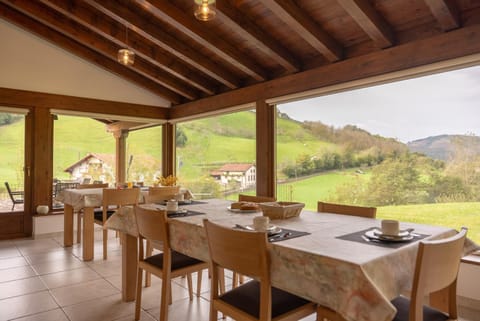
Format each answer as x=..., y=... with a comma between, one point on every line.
x=388, y=238
x=272, y=229
x=179, y=211
x=237, y=210
x=402, y=233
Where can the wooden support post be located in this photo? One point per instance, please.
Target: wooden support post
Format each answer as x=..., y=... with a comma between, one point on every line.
x=42, y=171
x=168, y=150
x=266, y=148
x=120, y=155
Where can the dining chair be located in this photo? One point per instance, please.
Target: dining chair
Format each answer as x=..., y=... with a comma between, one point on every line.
x=15, y=196
x=117, y=198
x=255, y=199
x=323, y=312
x=247, y=253
x=165, y=192
x=369, y=212
x=436, y=268
x=238, y=278
x=153, y=226
x=80, y=214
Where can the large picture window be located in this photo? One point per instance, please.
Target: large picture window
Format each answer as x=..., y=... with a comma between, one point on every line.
x=409, y=148
x=216, y=155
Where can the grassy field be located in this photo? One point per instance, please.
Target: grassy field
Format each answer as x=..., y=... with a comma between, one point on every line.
x=316, y=188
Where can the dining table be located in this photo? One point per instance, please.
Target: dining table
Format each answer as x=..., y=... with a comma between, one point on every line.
x=76, y=200
x=323, y=257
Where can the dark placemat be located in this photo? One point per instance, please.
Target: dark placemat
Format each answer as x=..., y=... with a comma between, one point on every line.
x=361, y=238
x=184, y=214
x=286, y=234
x=193, y=202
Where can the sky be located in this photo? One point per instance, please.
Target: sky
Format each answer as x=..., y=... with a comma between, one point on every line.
x=444, y=103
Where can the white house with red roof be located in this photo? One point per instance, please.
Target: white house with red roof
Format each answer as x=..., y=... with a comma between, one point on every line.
x=93, y=165
x=243, y=173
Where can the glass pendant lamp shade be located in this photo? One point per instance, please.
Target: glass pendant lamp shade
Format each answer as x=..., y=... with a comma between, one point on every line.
x=126, y=57
x=205, y=10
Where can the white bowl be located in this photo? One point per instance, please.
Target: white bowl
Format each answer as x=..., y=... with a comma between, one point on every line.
x=42, y=209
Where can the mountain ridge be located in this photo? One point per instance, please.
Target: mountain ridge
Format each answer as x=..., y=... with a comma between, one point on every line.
x=444, y=147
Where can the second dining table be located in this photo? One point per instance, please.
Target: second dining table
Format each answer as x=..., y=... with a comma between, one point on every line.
x=329, y=263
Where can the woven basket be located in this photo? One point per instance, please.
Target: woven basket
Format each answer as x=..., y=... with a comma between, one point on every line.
x=281, y=210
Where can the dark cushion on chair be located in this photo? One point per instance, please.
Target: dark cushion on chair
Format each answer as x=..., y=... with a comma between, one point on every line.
x=179, y=260
x=98, y=214
x=247, y=298
x=403, y=306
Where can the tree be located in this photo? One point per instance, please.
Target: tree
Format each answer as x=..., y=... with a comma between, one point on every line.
x=180, y=137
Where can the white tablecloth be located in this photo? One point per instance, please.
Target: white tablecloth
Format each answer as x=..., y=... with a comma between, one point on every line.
x=356, y=279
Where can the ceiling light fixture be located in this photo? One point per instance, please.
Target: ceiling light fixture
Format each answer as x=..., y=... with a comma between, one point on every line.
x=126, y=56
x=205, y=10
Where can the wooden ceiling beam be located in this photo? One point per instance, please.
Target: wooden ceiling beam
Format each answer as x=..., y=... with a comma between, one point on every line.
x=306, y=27
x=196, y=30
x=86, y=53
x=127, y=125
x=143, y=47
x=446, y=13
x=24, y=98
x=143, y=26
x=233, y=18
x=454, y=44
x=374, y=25
x=95, y=42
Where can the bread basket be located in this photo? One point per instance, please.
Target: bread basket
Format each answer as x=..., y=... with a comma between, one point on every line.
x=281, y=210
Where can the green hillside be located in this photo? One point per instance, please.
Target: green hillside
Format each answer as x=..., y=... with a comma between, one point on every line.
x=11, y=153
x=211, y=142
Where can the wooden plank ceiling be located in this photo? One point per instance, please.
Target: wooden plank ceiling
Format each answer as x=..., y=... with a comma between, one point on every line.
x=249, y=42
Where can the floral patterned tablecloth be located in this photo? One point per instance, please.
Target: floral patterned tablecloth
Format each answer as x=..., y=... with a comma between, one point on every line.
x=357, y=280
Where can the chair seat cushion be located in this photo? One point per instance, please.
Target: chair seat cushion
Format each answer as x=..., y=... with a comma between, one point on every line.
x=247, y=298
x=98, y=214
x=403, y=307
x=179, y=260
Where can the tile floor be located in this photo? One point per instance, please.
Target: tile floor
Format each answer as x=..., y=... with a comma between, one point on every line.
x=42, y=281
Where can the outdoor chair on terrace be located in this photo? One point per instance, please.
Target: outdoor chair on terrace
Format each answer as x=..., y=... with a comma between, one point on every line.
x=15, y=196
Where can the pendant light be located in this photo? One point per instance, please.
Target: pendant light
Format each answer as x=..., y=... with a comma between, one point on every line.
x=205, y=10
x=126, y=56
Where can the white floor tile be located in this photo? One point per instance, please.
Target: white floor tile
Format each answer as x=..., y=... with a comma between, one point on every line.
x=81, y=292
x=26, y=305
x=21, y=287
x=65, y=278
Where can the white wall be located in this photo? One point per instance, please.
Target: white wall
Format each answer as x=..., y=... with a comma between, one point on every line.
x=30, y=63
x=468, y=284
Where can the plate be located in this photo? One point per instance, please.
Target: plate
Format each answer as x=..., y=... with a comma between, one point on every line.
x=402, y=233
x=388, y=238
x=271, y=230
x=237, y=210
x=179, y=211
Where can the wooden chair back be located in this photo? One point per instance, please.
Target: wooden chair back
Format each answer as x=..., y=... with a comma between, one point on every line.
x=119, y=197
x=255, y=199
x=154, y=198
x=241, y=251
x=369, y=212
x=163, y=192
x=85, y=186
x=437, y=268
x=152, y=225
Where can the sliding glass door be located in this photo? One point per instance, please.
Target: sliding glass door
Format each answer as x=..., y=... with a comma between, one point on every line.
x=14, y=189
